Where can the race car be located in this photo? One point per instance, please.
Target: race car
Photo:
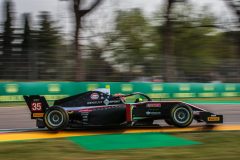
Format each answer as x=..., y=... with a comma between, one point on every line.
x=96, y=108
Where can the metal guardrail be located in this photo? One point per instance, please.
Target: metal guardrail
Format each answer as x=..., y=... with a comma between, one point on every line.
x=62, y=67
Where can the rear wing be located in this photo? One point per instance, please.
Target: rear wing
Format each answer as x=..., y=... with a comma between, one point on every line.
x=37, y=105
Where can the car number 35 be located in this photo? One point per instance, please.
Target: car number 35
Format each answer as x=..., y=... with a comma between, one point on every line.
x=36, y=106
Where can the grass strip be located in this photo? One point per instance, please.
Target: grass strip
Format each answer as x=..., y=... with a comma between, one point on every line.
x=215, y=146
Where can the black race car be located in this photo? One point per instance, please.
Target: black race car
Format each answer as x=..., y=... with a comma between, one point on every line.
x=95, y=108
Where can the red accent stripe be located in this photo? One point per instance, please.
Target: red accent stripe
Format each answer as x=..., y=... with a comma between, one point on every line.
x=85, y=110
x=128, y=113
x=96, y=108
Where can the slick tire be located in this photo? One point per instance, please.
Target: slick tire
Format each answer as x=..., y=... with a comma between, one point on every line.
x=56, y=118
x=181, y=115
x=40, y=123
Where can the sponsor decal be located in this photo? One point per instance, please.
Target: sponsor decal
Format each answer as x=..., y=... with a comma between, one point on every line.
x=38, y=115
x=95, y=102
x=154, y=105
x=85, y=116
x=11, y=88
x=106, y=101
x=94, y=96
x=54, y=88
x=115, y=101
x=213, y=119
x=153, y=113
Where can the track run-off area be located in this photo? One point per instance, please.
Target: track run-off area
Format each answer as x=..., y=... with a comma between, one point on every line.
x=44, y=134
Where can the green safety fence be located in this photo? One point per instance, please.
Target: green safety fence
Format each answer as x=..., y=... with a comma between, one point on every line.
x=13, y=91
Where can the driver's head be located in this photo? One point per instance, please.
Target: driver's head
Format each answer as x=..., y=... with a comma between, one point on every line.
x=138, y=100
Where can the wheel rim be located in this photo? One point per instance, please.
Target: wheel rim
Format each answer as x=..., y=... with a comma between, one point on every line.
x=181, y=115
x=55, y=118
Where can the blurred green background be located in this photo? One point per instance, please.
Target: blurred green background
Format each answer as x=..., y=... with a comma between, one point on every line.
x=157, y=41
x=13, y=91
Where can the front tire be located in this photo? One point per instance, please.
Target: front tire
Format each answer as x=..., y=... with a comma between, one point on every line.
x=56, y=118
x=181, y=115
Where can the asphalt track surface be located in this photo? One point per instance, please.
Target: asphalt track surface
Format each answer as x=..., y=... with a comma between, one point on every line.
x=18, y=118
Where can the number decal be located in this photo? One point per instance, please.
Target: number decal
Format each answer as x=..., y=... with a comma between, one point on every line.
x=36, y=106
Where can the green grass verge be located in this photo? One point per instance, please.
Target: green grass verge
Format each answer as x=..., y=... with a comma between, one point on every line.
x=215, y=146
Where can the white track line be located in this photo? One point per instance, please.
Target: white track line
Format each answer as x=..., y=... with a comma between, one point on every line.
x=20, y=130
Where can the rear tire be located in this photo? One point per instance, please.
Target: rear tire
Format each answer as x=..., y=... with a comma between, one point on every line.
x=56, y=118
x=181, y=115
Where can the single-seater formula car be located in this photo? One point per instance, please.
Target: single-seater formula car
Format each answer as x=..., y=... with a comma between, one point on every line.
x=95, y=108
